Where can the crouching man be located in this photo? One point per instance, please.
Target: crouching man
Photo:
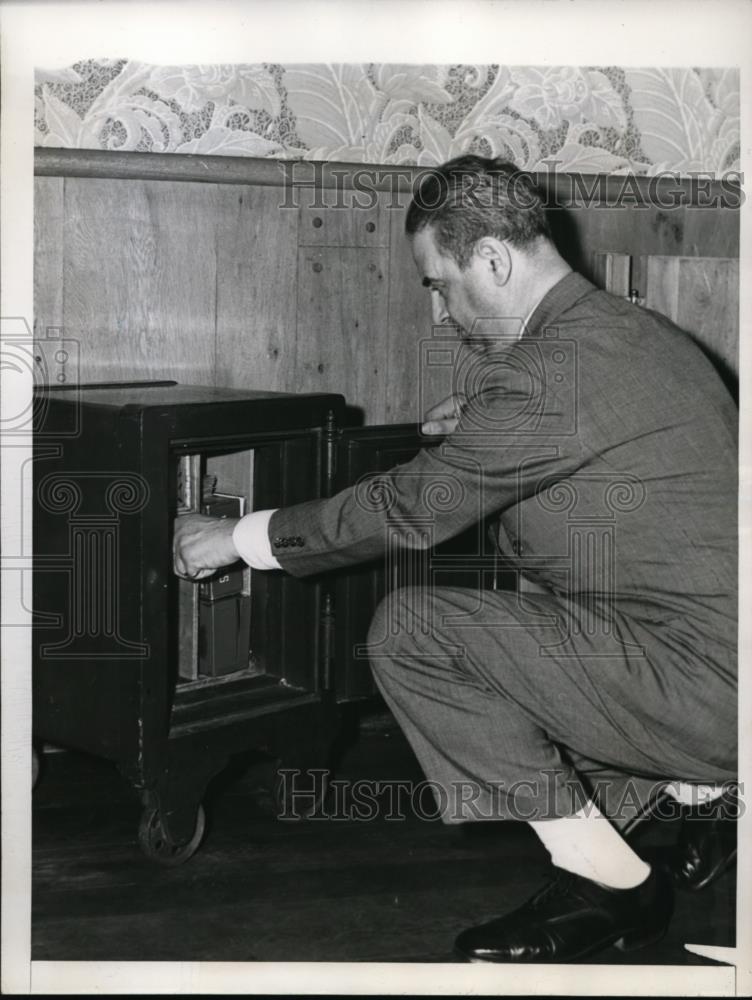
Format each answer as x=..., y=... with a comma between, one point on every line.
x=610, y=464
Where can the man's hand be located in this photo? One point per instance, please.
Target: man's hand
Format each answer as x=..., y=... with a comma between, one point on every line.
x=202, y=545
x=443, y=418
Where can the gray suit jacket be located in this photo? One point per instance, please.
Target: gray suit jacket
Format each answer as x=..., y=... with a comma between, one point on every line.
x=607, y=444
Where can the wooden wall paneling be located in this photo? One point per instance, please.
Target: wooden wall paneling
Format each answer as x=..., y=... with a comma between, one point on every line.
x=709, y=305
x=140, y=278
x=48, y=254
x=580, y=233
x=662, y=292
x=257, y=261
x=130, y=267
x=612, y=271
x=690, y=231
x=642, y=230
x=711, y=232
x=628, y=230
x=701, y=295
x=412, y=383
x=342, y=326
x=342, y=218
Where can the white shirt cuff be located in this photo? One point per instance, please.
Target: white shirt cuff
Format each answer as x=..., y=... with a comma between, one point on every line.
x=251, y=539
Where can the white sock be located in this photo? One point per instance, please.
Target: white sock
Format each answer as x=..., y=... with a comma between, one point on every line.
x=588, y=845
x=693, y=795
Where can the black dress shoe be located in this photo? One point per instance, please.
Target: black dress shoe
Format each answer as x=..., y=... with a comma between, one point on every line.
x=573, y=917
x=707, y=842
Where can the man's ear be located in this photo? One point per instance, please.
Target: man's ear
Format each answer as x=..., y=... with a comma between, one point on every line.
x=495, y=255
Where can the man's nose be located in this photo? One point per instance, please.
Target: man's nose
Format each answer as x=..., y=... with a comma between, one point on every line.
x=438, y=306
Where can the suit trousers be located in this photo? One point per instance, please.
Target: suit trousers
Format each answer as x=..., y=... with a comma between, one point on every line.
x=528, y=706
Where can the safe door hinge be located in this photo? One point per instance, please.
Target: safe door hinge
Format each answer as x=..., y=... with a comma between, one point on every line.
x=332, y=435
x=327, y=624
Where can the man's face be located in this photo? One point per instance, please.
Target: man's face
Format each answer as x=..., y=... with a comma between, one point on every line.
x=458, y=297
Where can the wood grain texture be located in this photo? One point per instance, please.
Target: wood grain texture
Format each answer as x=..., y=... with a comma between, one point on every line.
x=132, y=166
x=140, y=278
x=711, y=233
x=701, y=295
x=204, y=282
x=662, y=293
x=612, y=271
x=48, y=254
x=341, y=331
x=348, y=219
x=639, y=231
x=412, y=384
x=256, y=288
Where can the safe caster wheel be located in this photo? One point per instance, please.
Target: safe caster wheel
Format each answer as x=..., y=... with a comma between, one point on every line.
x=156, y=843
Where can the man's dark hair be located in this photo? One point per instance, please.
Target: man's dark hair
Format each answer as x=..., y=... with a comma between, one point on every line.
x=470, y=197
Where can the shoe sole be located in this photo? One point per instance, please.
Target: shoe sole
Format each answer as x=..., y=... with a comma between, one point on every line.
x=634, y=943
x=627, y=942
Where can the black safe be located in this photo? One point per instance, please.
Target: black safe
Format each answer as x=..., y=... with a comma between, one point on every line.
x=167, y=678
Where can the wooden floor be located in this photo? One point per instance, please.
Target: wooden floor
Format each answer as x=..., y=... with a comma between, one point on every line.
x=265, y=889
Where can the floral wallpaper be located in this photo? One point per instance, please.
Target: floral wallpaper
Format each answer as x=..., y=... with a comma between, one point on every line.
x=587, y=119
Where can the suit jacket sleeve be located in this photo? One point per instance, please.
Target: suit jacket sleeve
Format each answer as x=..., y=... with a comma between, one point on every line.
x=515, y=435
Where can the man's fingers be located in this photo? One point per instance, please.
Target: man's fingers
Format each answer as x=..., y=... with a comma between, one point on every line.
x=191, y=573
x=199, y=574
x=439, y=426
x=177, y=562
x=201, y=545
x=179, y=566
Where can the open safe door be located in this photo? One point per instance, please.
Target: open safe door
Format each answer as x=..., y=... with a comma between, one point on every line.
x=466, y=560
